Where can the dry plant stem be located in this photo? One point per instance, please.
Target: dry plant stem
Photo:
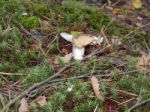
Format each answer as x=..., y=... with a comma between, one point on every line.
x=55, y=39
x=42, y=16
x=10, y=74
x=25, y=31
x=128, y=93
x=127, y=101
x=114, y=4
x=96, y=108
x=135, y=31
x=103, y=30
x=36, y=85
x=2, y=100
x=139, y=104
x=103, y=33
x=79, y=77
x=55, y=82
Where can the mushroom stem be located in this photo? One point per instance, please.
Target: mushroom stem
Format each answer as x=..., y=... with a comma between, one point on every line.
x=78, y=53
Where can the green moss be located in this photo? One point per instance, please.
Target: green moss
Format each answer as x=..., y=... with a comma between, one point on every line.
x=75, y=14
x=136, y=84
x=38, y=73
x=29, y=21
x=13, y=55
x=40, y=8
x=86, y=106
x=12, y=6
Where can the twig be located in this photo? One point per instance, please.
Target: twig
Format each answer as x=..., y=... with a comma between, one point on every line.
x=135, y=31
x=96, y=108
x=117, y=2
x=2, y=100
x=25, y=31
x=78, y=77
x=103, y=34
x=55, y=82
x=103, y=30
x=127, y=101
x=34, y=38
x=126, y=92
x=36, y=85
x=10, y=74
x=139, y=104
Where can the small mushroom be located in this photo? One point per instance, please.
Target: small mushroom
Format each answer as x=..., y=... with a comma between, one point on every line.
x=79, y=44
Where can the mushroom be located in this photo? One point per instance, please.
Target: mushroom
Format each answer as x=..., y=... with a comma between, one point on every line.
x=79, y=43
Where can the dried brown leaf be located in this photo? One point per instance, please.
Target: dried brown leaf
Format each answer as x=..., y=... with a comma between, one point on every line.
x=95, y=86
x=144, y=61
x=41, y=100
x=117, y=11
x=116, y=41
x=66, y=59
x=24, y=106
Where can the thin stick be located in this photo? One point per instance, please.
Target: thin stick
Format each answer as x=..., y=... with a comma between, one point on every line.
x=10, y=74
x=103, y=34
x=78, y=77
x=26, y=32
x=127, y=101
x=96, y=108
x=2, y=100
x=139, y=104
x=135, y=31
x=126, y=92
x=36, y=85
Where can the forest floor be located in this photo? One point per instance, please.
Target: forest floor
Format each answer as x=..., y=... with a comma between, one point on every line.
x=38, y=75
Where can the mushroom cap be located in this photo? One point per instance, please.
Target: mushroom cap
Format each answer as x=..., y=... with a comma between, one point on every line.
x=83, y=41
x=66, y=36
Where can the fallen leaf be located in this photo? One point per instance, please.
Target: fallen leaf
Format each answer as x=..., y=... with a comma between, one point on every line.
x=117, y=11
x=116, y=41
x=144, y=61
x=119, y=62
x=137, y=4
x=41, y=100
x=65, y=59
x=95, y=86
x=38, y=35
x=121, y=17
x=24, y=106
x=139, y=24
x=82, y=40
x=45, y=24
x=109, y=8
